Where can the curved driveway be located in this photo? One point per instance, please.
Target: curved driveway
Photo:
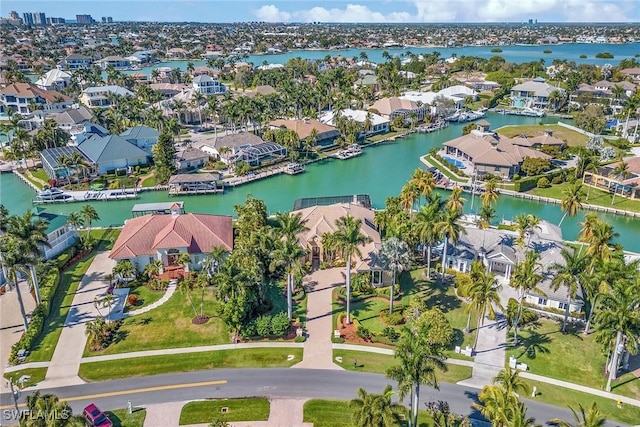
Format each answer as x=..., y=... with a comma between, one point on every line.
x=274, y=382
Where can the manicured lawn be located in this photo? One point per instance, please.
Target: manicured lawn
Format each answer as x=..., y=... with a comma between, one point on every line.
x=40, y=174
x=168, y=326
x=149, y=181
x=413, y=284
x=278, y=297
x=36, y=374
x=379, y=363
x=145, y=296
x=572, y=138
x=254, y=409
x=596, y=197
x=122, y=418
x=444, y=169
x=563, y=397
x=379, y=137
x=153, y=365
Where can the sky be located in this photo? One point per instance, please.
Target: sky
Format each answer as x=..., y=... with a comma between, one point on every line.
x=365, y=11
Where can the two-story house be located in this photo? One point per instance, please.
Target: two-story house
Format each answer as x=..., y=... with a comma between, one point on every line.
x=208, y=85
x=116, y=62
x=101, y=96
x=25, y=98
x=54, y=80
x=75, y=61
x=532, y=94
x=60, y=234
x=143, y=137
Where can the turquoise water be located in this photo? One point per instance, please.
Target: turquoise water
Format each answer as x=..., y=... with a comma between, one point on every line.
x=380, y=171
x=516, y=54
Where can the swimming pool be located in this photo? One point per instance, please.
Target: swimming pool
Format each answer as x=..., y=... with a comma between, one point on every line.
x=454, y=162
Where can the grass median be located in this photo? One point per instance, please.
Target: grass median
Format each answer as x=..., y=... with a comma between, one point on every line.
x=225, y=410
x=122, y=417
x=154, y=365
x=36, y=375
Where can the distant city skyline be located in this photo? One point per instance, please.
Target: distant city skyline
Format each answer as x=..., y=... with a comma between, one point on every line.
x=357, y=11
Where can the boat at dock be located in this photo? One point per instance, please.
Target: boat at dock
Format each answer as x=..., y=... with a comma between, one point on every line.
x=294, y=168
x=352, y=150
x=50, y=194
x=528, y=112
x=465, y=116
x=433, y=126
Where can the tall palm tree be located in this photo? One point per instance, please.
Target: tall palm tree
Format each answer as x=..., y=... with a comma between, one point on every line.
x=13, y=263
x=288, y=254
x=213, y=260
x=583, y=418
x=526, y=277
x=375, y=410
x=418, y=365
x=394, y=254
x=450, y=229
x=424, y=181
x=408, y=196
x=426, y=229
x=525, y=224
x=568, y=275
x=484, y=295
x=491, y=194
x=46, y=410
x=496, y=405
x=349, y=239
x=619, y=315
x=89, y=214
x=456, y=201
x=572, y=198
x=509, y=379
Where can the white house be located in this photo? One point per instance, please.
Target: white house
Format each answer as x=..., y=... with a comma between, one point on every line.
x=54, y=80
x=377, y=123
x=532, y=94
x=60, y=234
x=99, y=96
x=208, y=85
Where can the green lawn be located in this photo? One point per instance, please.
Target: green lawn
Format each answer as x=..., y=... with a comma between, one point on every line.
x=36, y=374
x=122, y=418
x=278, y=297
x=413, y=284
x=153, y=365
x=379, y=363
x=571, y=357
x=145, y=296
x=149, y=181
x=444, y=169
x=571, y=137
x=596, y=197
x=254, y=409
x=380, y=137
x=563, y=397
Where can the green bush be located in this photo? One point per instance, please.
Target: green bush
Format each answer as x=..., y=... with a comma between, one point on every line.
x=336, y=340
x=249, y=330
x=391, y=334
x=340, y=320
x=364, y=333
x=356, y=323
x=280, y=324
x=557, y=180
x=543, y=183
x=263, y=325
x=394, y=318
x=299, y=338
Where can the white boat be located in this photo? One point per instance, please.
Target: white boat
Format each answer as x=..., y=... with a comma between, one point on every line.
x=352, y=150
x=294, y=168
x=50, y=193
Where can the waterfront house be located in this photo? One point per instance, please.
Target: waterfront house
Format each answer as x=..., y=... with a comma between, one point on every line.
x=632, y=73
x=369, y=80
x=532, y=94
x=102, y=96
x=482, y=85
x=254, y=155
x=148, y=238
x=625, y=184
x=25, y=98
x=545, y=139
x=51, y=159
x=115, y=62
x=191, y=158
x=208, y=85
x=60, y=235
x=54, y=79
x=326, y=134
x=72, y=118
x=112, y=152
x=143, y=137
x=225, y=146
x=323, y=219
x=75, y=61
x=491, y=153
x=499, y=253
x=377, y=123
x=400, y=107
x=169, y=89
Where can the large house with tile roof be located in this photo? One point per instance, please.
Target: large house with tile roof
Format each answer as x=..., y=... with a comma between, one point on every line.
x=165, y=237
x=54, y=79
x=532, y=94
x=112, y=152
x=326, y=134
x=144, y=137
x=22, y=97
x=400, y=107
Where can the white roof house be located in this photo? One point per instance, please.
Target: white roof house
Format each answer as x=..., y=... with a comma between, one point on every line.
x=54, y=79
x=378, y=123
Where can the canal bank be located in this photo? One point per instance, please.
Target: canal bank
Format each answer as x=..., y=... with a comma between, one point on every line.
x=380, y=171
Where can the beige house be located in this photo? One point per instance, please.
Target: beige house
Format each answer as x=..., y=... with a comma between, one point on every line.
x=323, y=219
x=395, y=107
x=606, y=179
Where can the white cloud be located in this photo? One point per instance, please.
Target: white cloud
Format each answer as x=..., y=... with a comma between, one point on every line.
x=464, y=11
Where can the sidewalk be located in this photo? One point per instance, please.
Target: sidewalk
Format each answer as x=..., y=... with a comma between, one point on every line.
x=65, y=363
x=318, y=349
x=11, y=327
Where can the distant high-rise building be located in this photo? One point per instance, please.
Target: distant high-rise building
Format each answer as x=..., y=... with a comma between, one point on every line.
x=27, y=18
x=104, y=19
x=14, y=15
x=39, y=18
x=55, y=20
x=109, y=20
x=530, y=21
x=84, y=19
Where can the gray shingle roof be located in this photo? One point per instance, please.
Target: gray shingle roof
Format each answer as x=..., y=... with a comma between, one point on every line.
x=140, y=132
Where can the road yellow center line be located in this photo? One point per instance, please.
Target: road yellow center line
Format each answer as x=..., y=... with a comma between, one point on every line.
x=134, y=391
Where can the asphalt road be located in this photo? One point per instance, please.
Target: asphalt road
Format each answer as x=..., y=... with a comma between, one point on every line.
x=277, y=382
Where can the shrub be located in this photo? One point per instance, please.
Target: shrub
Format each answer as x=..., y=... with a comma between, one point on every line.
x=280, y=324
x=263, y=326
x=356, y=323
x=394, y=318
x=391, y=333
x=299, y=338
x=337, y=340
x=340, y=320
x=557, y=180
x=249, y=330
x=132, y=300
x=543, y=183
x=364, y=333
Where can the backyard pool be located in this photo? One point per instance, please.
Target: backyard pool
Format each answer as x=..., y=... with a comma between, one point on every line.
x=454, y=162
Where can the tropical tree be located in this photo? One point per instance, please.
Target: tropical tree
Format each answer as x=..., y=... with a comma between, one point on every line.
x=484, y=295
x=510, y=381
x=572, y=198
x=526, y=277
x=450, y=229
x=490, y=195
x=456, y=201
x=375, y=410
x=394, y=255
x=89, y=214
x=13, y=263
x=525, y=224
x=124, y=269
x=153, y=269
x=418, y=365
x=288, y=253
x=212, y=262
x=348, y=240
x=583, y=418
x=427, y=230
x=46, y=410
x=568, y=275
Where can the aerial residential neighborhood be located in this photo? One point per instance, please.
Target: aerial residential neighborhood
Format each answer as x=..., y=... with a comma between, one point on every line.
x=272, y=216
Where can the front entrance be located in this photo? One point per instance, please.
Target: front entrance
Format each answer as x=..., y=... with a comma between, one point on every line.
x=172, y=256
x=315, y=257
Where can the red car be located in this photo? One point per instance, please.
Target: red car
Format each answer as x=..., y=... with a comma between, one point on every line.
x=95, y=417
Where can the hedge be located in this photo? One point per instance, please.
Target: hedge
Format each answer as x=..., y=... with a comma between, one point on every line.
x=530, y=182
x=48, y=288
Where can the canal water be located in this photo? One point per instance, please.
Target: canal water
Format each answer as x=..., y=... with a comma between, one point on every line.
x=516, y=54
x=380, y=171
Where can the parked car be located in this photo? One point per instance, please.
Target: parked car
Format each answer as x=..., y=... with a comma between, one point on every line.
x=95, y=417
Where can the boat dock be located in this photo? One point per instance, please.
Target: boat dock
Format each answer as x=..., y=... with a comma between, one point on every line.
x=195, y=183
x=529, y=112
x=351, y=151
x=433, y=127
x=87, y=196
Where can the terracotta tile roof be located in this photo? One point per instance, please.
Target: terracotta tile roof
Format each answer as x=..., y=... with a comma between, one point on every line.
x=28, y=90
x=386, y=106
x=304, y=127
x=199, y=233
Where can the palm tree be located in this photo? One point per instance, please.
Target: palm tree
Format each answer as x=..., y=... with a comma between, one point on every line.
x=46, y=410
x=349, y=239
x=619, y=315
x=496, y=405
x=214, y=260
x=424, y=181
x=408, y=196
x=525, y=224
x=491, y=194
x=456, y=201
x=526, y=277
x=593, y=418
x=124, y=269
x=509, y=379
x=572, y=198
x=568, y=275
x=96, y=330
x=13, y=263
x=89, y=214
x=418, y=365
x=484, y=295
x=375, y=410
x=185, y=287
x=288, y=253
x=394, y=254
x=450, y=229
x=427, y=230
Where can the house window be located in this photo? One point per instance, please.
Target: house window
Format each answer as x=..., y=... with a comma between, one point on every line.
x=497, y=169
x=542, y=301
x=151, y=259
x=377, y=277
x=563, y=306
